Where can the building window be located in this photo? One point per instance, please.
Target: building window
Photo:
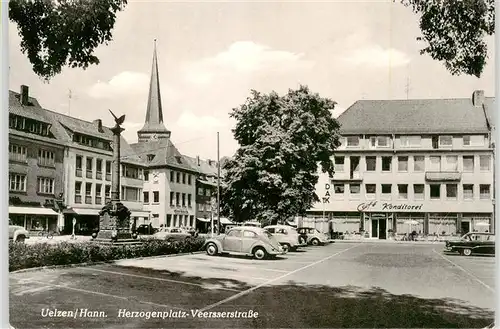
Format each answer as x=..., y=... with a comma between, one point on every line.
x=190, y=180
x=354, y=188
x=418, y=163
x=177, y=199
x=451, y=191
x=200, y=190
x=46, y=158
x=172, y=174
x=484, y=162
x=200, y=207
x=88, y=193
x=172, y=195
x=445, y=141
x=435, y=191
x=386, y=163
x=98, y=193
x=130, y=172
x=177, y=177
x=107, y=192
x=78, y=192
x=468, y=191
x=451, y=163
x=353, y=141
x=379, y=141
x=484, y=191
x=17, y=182
x=339, y=188
x=473, y=140
x=89, y=164
x=146, y=175
x=371, y=190
x=131, y=194
x=418, y=191
x=189, y=200
x=183, y=199
x=183, y=178
x=403, y=164
x=156, y=196
x=371, y=163
x=108, y=170
x=410, y=141
x=468, y=162
x=403, y=191
x=386, y=191
x=45, y=185
x=435, y=163
x=339, y=163
x=18, y=153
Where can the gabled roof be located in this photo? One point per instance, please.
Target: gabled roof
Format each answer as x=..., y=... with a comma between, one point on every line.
x=165, y=154
x=203, y=166
x=413, y=116
x=33, y=110
x=154, y=113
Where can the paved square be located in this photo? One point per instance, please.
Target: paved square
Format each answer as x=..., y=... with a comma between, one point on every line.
x=338, y=285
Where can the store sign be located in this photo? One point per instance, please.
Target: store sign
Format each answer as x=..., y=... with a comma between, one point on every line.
x=388, y=206
x=326, y=198
x=181, y=211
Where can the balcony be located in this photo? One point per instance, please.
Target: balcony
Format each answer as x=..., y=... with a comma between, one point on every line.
x=18, y=157
x=89, y=174
x=98, y=175
x=78, y=199
x=78, y=172
x=443, y=176
x=43, y=162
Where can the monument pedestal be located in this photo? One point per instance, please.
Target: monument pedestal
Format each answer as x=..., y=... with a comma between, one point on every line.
x=114, y=225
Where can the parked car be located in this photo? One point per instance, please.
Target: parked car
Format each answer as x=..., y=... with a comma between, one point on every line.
x=245, y=240
x=172, y=234
x=18, y=233
x=287, y=236
x=252, y=223
x=312, y=236
x=472, y=243
x=144, y=229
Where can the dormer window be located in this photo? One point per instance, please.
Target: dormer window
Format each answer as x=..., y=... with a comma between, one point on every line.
x=473, y=140
x=178, y=159
x=150, y=157
x=352, y=141
x=379, y=141
x=445, y=141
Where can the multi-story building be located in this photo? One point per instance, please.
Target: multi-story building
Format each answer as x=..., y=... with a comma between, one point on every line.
x=422, y=165
x=35, y=165
x=169, y=183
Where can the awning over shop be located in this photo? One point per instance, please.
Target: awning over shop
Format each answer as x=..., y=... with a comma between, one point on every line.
x=206, y=220
x=139, y=214
x=32, y=211
x=85, y=211
x=225, y=221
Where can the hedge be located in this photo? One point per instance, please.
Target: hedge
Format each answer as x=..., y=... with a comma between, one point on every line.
x=23, y=256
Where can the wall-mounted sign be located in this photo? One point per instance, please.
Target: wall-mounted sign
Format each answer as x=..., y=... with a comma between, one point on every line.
x=388, y=206
x=326, y=197
x=181, y=211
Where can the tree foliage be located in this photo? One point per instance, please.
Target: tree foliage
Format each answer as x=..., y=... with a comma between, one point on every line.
x=455, y=31
x=283, y=142
x=58, y=33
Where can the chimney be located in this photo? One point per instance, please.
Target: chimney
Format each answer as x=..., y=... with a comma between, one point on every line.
x=478, y=98
x=198, y=160
x=24, y=95
x=98, y=124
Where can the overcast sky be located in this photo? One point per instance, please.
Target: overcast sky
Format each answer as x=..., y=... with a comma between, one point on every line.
x=212, y=54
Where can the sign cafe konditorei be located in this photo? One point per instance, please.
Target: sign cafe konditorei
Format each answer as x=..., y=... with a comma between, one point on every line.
x=387, y=206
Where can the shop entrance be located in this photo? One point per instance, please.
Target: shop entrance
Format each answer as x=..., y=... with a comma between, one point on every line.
x=465, y=227
x=379, y=226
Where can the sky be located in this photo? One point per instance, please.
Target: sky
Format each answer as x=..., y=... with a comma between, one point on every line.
x=212, y=54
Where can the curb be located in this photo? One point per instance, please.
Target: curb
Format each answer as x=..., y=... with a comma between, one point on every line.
x=391, y=242
x=49, y=267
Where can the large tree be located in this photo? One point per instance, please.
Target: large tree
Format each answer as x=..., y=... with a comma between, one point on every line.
x=455, y=32
x=283, y=141
x=59, y=33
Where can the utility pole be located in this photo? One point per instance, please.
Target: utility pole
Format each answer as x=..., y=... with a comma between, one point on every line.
x=218, y=183
x=69, y=102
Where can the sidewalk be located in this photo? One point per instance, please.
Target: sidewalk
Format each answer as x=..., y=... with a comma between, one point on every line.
x=57, y=239
x=388, y=241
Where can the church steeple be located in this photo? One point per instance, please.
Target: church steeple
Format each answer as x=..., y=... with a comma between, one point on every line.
x=153, y=126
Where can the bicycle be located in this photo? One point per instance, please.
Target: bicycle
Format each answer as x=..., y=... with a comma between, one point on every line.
x=48, y=234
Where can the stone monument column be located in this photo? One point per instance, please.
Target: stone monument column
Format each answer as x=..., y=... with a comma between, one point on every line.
x=114, y=218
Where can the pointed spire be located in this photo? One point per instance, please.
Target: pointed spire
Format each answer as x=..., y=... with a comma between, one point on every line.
x=153, y=125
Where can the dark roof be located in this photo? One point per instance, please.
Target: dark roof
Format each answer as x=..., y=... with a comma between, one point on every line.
x=165, y=154
x=33, y=110
x=414, y=116
x=203, y=166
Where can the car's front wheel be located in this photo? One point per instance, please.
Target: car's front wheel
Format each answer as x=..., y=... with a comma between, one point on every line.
x=259, y=253
x=286, y=247
x=212, y=249
x=466, y=252
x=315, y=242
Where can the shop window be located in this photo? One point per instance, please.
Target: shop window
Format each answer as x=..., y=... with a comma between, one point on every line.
x=435, y=191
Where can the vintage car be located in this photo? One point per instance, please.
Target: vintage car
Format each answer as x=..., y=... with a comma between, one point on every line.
x=245, y=240
x=18, y=233
x=144, y=229
x=312, y=236
x=472, y=243
x=172, y=234
x=287, y=236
